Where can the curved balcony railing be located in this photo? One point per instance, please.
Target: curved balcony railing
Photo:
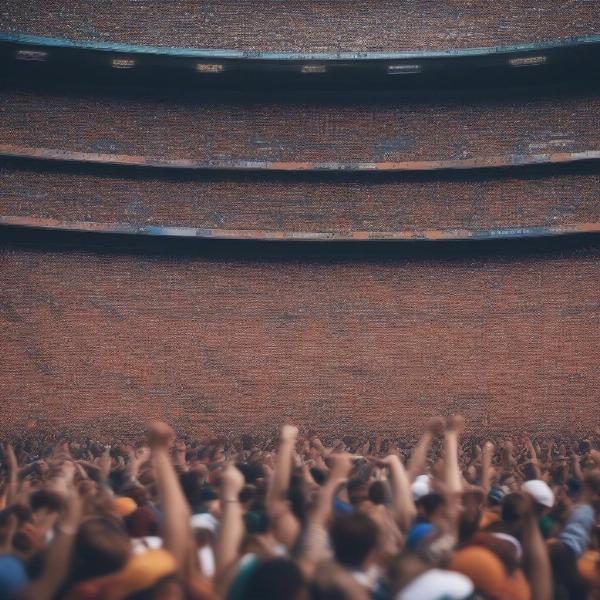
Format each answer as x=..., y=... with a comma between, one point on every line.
x=155, y=64
x=124, y=160
x=425, y=235
x=450, y=205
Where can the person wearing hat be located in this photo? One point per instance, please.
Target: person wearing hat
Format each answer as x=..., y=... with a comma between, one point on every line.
x=543, y=498
x=13, y=576
x=141, y=572
x=436, y=584
x=484, y=569
x=123, y=506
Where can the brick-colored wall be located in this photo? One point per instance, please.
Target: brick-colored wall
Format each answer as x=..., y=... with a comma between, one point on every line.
x=96, y=342
x=316, y=127
x=312, y=25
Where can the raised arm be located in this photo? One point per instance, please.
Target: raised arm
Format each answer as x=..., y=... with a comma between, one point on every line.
x=452, y=475
x=285, y=525
x=104, y=464
x=486, y=466
x=12, y=472
x=58, y=555
x=403, y=506
x=177, y=535
x=533, y=457
x=418, y=458
x=316, y=541
x=231, y=531
x=136, y=459
x=535, y=557
x=280, y=479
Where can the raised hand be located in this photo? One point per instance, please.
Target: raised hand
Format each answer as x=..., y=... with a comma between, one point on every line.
x=160, y=435
x=289, y=433
x=436, y=426
x=341, y=465
x=232, y=482
x=456, y=423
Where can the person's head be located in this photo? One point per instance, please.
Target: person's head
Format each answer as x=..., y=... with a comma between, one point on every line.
x=358, y=490
x=354, y=538
x=248, y=495
x=377, y=492
x=123, y=506
x=418, y=534
x=101, y=546
x=276, y=578
x=192, y=486
x=252, y=471
x=529, y=471
x=437, y=583
x=319, y=475
x=150, y=575
x=505, y=546
x=45, y=501
x=138, y=493
x=541, y=493
x=484, y=569
x=430, y=506
x=142, y=522
x=513, y=506
x=256, y=521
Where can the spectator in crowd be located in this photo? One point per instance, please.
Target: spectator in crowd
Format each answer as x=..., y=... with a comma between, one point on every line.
x=172, y=519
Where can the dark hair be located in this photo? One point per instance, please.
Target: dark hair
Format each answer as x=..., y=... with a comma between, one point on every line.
x=529, y=471
x=429, y=503
x=256, y=521
x=353, y=537
x=512, y=507
x=275, y=578
x=318, y=475
x=46, y=499
x=101, y=547
x=192, y=487
x=357, y=490
x=117, y=478
x=377, y=492
x=251, y=471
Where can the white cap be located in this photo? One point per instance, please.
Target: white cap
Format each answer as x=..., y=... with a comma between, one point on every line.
x=143, y=544
x=204, y=521
x=420, y=487
x=511, y=540
x=436, y=584
x=540, y=491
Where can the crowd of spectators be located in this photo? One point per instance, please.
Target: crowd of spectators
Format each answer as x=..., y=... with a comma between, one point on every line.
x=166, y=518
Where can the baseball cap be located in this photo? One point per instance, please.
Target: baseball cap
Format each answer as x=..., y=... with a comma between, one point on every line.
x=540, y=491
x=437, y=584
x=420, y=487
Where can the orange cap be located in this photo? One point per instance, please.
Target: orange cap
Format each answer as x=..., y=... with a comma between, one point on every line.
x=123, y=506
x=483, y=568
x=588, y=566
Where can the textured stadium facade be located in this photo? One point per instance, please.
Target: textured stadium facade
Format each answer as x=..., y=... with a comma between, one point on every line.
x=228, y=215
